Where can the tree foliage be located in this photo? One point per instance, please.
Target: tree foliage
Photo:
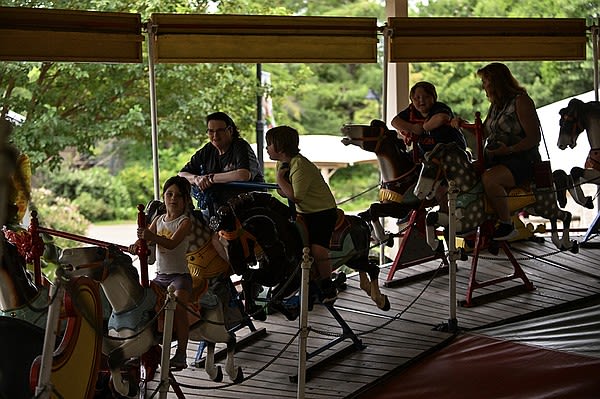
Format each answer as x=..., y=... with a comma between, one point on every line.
x=99, y=115
x=546, y=81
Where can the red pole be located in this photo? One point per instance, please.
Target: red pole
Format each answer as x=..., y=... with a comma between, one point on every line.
x=142, y=248
x=37, y=249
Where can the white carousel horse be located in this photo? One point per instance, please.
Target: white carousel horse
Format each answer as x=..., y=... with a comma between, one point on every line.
x=449, y=162
x=574, y=119
x=133, y=325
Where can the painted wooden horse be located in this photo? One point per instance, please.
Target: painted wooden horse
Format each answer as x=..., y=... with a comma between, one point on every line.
x=449, y=162
x=133, y=326
x=399, y=172
x=75, y=362
x=574, y=119
x=259, y=230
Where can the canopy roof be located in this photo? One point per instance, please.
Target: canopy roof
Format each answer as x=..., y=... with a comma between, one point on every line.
x=36, y=34
x=39, y=34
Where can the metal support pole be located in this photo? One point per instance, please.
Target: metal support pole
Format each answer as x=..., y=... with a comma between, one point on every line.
x=386, y=35
x=44, y=385
x=452, y=253
x=153, y=114
x=596, y=55
x=260, y=123
x=170, y=305
x=307, y=261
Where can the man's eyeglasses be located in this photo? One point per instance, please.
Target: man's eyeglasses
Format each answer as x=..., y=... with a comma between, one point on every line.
x=219, y=130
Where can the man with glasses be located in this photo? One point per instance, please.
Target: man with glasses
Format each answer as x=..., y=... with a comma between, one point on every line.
x=226, y=158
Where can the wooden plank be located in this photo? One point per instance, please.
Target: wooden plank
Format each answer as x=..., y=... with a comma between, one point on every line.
x=394, y=344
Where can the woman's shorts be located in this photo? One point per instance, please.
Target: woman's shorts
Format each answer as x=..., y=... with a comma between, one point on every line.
x=181, y=281
x=521, y=169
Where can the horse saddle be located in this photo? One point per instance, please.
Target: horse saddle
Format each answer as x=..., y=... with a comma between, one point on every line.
x=518, y=198
x=203, y=264
x=342, y=226
x=593, y=159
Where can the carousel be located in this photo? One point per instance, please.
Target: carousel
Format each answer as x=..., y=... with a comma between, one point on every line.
x=101, y=329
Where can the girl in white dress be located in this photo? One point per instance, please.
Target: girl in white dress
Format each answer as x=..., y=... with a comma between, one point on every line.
x=171, y=234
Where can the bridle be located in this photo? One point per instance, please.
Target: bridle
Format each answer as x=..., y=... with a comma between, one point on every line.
x=378, y=139
x=570, y=123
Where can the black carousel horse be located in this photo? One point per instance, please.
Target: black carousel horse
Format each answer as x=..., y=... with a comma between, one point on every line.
x=259, y=230
x=450, y=162
x=574, y=119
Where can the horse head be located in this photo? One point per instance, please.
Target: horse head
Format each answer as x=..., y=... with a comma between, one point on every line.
x=570, y=124
x=445, y=162
x=397, y=167
x=111, y=268
x=432, y=173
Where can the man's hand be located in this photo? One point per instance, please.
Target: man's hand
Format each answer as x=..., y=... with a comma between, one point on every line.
x=203, y=182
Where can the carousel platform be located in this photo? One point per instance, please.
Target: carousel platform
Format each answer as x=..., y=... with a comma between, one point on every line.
x=413, y=335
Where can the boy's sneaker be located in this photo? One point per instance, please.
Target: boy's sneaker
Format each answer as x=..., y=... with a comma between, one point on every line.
x=505, y=231
x=178, y=362
x=328, y=293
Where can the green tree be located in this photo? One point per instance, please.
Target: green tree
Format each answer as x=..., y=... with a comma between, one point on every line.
x=546, y=81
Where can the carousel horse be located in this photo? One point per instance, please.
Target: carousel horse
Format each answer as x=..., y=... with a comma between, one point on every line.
x=449, y=162
x=76, y=358
x=259, y=230
x=134, y=327
x=574, y=119
x=22, y=324
x=399, y=172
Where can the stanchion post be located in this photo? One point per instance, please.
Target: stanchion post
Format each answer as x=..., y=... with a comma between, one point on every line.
x=37, y=248
x=170, y=305
x=44, y=385
x=452, y=254
x=302, y=343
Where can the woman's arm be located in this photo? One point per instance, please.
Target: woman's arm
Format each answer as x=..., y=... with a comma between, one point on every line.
x=529, y=122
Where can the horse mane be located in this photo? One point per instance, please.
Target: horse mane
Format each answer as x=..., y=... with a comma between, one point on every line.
x=120, y=260
x=575, y=107
x=246, y=203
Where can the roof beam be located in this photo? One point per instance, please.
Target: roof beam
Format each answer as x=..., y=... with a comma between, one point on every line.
x=475, y=39
x=40, y=34
x=267, y=39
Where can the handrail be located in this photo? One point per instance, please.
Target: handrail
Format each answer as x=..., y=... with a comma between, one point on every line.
x=37, y=245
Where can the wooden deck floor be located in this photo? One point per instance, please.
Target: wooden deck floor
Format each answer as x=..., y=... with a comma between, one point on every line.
x=396, y=338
